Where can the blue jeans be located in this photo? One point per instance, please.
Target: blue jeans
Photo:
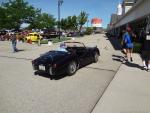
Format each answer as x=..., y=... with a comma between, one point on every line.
x=14, y=46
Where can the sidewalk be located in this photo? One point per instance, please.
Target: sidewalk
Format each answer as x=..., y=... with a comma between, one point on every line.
x=129, y=91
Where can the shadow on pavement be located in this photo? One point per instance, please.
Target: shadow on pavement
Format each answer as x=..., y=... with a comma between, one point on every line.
x=117, y=58
x=51, y=77
x=114, y=42
x=61, y=76
x=19, y=50
x=129, y=64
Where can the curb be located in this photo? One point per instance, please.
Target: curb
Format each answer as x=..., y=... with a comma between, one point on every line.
x=106, y=89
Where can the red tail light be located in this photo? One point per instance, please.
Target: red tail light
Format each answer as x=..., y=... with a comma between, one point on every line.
x=54, y=66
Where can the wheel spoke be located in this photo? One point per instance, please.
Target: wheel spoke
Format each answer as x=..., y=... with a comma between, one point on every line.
x=72, y=67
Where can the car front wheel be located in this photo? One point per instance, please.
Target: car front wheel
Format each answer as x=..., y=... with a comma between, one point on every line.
x=72, y=68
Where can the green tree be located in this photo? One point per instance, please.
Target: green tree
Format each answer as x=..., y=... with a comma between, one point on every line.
x=74, y=23
x=94, y=28
x=82, y=19
x=43, y=20
x=63, y=24
x=69, y=23
x=17, y=12
x=2, y=18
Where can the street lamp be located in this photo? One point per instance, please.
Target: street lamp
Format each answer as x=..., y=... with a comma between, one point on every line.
x=59, y=4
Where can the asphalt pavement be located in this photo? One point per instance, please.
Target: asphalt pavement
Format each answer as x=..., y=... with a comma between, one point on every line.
x=21, y=91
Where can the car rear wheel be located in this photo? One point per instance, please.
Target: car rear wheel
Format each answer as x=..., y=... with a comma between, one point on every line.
x=72, y=68
x=51, y=71
x=96, y=56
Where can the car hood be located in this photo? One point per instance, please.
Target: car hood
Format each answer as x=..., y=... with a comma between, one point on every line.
x=51, y=57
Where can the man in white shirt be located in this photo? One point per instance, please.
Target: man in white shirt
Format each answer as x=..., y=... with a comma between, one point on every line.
x=62, y=47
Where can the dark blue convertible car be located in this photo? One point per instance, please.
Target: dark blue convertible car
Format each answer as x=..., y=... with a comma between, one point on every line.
x=59, y=62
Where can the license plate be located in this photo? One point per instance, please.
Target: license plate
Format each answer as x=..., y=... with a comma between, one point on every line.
x=41, y=67
x=148, y=37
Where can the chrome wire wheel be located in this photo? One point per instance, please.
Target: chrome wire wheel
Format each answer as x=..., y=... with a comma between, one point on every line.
x=72, y=68
x=51, y=71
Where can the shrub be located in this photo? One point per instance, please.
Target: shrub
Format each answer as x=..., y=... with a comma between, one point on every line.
x=55, y=40
x=44, y=41
x=89, y=31
x=137, y=47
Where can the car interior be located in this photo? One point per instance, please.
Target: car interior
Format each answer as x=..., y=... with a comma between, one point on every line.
x=76, y=50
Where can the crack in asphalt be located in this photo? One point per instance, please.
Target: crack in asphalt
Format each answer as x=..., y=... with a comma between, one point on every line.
x=16, y=58
x=100, y=69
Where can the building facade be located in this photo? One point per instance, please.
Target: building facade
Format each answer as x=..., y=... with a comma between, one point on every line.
x=136, y=15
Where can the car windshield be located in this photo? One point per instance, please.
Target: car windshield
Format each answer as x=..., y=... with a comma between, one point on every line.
x=74, y=44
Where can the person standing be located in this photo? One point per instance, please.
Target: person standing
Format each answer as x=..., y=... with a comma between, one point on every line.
x=39, y=42
x=145, y=54
x=14, y=42
x=62, y=47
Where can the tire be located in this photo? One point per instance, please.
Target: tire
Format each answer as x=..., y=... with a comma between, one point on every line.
x=51, y=71
x=96, y=57
x=72, y=68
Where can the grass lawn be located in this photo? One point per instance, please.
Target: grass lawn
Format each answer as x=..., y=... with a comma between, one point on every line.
x=55, y=40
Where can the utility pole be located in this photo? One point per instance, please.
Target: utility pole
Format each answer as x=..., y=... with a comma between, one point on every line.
x=59, y=4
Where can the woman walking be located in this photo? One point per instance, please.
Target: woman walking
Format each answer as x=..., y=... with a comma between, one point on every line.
x=128, y=40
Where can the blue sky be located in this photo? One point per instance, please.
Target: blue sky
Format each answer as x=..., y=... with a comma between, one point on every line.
x=95, y=8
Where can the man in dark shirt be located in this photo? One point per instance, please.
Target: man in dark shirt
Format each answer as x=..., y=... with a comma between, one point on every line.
x=14, y=43
x=146, y=50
